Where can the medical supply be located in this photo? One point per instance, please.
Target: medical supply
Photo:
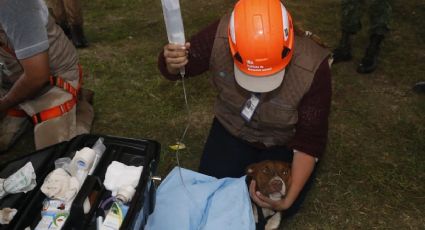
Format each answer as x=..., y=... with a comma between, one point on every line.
x=63, y=162
x=121, y=175
x=174, y=23
x=52, y=220
x=82, y=161
x=60, y=185
x=177, y=146
x=52, y=205
x=7, y=214
x=99, y=148
x=99, y=223
x=22, y=180
x=125, y=194
x=116, y=215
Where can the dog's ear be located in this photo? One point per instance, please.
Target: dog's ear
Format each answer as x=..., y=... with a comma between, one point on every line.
x=250, y=169
x=249, y=173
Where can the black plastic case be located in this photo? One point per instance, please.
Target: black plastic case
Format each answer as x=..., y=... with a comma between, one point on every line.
x=134, y=152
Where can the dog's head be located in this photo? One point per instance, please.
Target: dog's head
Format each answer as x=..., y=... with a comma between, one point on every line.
x=273, y=178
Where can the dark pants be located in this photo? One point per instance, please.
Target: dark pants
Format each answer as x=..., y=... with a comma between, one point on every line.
x=227, y=156
x=379, y=14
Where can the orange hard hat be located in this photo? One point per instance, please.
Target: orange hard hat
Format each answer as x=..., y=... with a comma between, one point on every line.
x=261, y=39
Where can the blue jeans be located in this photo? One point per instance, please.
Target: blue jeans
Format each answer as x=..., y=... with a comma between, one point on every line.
x=225, y=155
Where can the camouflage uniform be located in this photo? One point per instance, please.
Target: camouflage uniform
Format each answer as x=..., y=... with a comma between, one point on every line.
x=68, y=14
x=66, y=11
x=379, y=13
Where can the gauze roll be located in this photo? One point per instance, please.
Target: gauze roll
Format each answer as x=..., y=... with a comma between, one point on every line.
x=60, y=185
x=82, y=161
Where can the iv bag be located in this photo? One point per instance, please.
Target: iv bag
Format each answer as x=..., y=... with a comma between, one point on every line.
x=173, y=21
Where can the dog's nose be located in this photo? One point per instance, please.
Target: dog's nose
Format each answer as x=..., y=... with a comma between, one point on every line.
x=277, y=185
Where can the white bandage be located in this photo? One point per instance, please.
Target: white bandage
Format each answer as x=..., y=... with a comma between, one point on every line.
x=60, y=185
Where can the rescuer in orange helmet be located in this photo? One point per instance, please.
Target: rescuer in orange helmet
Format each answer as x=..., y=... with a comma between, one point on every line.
x=274, y=94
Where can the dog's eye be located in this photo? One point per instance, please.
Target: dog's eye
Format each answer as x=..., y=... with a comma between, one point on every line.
x=285, y=173
x=266, y=171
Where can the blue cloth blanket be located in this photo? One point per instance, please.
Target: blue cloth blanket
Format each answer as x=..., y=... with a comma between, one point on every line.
x=201, y=202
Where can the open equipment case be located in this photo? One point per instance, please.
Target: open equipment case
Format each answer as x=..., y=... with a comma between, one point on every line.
x=135, y=152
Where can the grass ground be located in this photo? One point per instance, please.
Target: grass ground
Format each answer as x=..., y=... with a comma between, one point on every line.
x=373, y=173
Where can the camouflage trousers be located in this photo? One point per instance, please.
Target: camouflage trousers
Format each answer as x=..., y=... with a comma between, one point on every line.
x=379, y=15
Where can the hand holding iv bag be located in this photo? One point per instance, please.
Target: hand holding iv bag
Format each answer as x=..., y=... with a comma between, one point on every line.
x=173, y=23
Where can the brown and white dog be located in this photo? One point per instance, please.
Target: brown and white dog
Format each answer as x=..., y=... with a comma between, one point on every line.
x=273, y=179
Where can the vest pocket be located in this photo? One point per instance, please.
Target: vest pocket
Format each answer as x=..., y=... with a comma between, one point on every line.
x=275, y=116
x=231, y=100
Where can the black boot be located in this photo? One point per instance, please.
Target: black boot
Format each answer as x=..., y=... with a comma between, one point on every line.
x=370, y=60
x=419, y=87
x=77, y=36
x=343, y=51
x=66, y=29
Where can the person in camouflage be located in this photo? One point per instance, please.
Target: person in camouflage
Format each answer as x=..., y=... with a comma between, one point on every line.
x=69, y=15
x=352, y=10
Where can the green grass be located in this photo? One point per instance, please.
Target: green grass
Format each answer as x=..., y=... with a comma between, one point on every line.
x=372, y=175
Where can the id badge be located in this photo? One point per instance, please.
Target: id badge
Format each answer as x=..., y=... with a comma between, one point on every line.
x=249, y=107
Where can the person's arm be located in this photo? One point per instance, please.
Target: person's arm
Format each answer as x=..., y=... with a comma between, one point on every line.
x=194, y=56
x=24, y=23
x=309, y=140
x=311, y=131
x=36, y=75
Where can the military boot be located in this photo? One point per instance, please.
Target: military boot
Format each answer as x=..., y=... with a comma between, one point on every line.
x=77, y=36
x=66, y=30
x=419, y=87
x=370, y=60
x=343, y=51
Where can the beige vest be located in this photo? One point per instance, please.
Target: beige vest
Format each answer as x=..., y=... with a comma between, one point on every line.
x=274, y=120
x=63, y=58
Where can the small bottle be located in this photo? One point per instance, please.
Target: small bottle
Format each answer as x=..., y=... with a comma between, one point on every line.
x=125, y=194
x=119, y=208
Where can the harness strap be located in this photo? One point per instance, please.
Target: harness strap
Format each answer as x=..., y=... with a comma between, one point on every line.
x=63, y=84
x=262, y=221
x=56, y=111
x=13, y=112
x=61, y=109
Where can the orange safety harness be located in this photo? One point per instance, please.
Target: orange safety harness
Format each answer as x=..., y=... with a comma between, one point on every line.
x=16, y=113
x=56, y=111
x=61, y=109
